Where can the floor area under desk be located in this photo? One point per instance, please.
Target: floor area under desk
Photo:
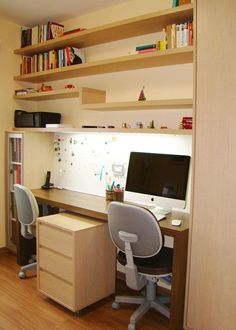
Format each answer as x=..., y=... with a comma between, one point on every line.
x=22, y=307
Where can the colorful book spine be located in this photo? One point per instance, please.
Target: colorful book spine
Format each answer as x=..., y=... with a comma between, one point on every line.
x=151, y=46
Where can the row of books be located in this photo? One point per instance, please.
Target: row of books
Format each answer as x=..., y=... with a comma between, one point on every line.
x=16, y=150
x=17, y=174
x=174, y=36
x=13, y=205
x=52, y=60
x=41, y=33
x=178, y=35
x=176, y=3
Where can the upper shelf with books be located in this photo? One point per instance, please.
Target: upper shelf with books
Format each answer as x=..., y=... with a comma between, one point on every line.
x=128, y=28
x=122, y=63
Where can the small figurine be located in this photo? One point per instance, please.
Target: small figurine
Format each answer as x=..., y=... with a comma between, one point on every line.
x=69, y=86
x=44, y=88
x=152, y=125
x=141, y=95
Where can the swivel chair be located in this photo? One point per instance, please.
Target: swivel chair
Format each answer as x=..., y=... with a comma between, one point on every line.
x=135, y=231
x=27, y=212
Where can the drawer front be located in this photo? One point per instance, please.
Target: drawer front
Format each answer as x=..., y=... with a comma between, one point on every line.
x=57, y=289
x=56, y=239
x=57, y=264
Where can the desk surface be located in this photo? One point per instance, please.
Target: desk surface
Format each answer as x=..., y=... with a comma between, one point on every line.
x=97, y=207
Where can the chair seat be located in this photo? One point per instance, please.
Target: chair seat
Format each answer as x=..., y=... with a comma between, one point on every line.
x=159, y=264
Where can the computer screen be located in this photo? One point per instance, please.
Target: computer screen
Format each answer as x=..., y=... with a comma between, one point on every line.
x=157, y=179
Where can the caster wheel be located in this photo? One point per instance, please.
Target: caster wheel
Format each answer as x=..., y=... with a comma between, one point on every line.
x=131, y=326
x=115, y=305
x=21, y=275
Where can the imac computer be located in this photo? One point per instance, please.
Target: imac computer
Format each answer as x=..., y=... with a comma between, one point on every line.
x=157, y=180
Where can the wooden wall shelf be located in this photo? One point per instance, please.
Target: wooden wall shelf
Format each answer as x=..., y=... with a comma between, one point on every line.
x=107, y=130
x=122, y=63
x=51, y=95
x=86, y=95
x=140, y=105
x=123, y=29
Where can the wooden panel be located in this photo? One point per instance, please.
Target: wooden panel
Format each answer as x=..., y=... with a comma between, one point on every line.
x=136, y=105
x=56, y=289
x=211, y=297
x=55, y=239
x=144, y=24
x=90, y=95
x=122, y=63
x=56, y=264
x=95, y=265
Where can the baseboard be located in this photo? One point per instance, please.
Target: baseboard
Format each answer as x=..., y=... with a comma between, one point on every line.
x=161, y=290
x=4, y=250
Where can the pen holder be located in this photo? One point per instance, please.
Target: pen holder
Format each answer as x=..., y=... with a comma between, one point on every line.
x=118, y=196
x=109, y=195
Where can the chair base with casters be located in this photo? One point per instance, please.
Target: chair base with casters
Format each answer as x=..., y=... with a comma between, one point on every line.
x=24, y=269
x=150, y=299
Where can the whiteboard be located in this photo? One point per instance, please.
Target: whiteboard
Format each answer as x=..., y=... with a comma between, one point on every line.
x=83, y=161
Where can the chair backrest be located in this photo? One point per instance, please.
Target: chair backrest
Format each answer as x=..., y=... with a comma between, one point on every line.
x=26, y=205
x=136, y=220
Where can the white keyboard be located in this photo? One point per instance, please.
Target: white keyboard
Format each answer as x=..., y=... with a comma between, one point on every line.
x=157, y=214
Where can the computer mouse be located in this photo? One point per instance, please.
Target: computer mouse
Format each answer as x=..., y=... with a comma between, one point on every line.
x=176, y=222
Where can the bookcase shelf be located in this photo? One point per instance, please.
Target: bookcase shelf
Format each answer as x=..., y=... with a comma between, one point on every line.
x=122, y=63
x=123, y=29
x=51, y=95
x=140, y=105
x=107, y=130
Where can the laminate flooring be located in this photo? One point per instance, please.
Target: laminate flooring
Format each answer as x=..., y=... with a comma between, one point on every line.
x=22, y=307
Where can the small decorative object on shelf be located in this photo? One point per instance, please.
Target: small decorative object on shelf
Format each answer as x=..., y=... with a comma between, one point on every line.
x=74, y=31
x=163, y=127
x=141, y=95
x=69, y=86
x=139, y=124
x=45, y=88
x=152, y=125
x=186, y=123
x=25, y=91
x=56, y=30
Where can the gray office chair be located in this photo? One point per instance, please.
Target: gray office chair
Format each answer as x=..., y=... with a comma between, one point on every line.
x=27, y=212
x=136, y=233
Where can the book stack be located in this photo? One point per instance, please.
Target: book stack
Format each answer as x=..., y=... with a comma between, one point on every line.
x=186, y=122
x=173, y=36
x=146, y=48
x=52, y=60
x=41, y=33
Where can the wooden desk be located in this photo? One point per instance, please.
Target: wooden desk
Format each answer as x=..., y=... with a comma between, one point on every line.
x=97, y=207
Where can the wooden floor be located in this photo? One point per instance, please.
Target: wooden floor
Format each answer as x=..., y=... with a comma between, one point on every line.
x=22, y=307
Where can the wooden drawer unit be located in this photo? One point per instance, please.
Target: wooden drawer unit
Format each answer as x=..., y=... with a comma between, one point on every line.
x=76, y=260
